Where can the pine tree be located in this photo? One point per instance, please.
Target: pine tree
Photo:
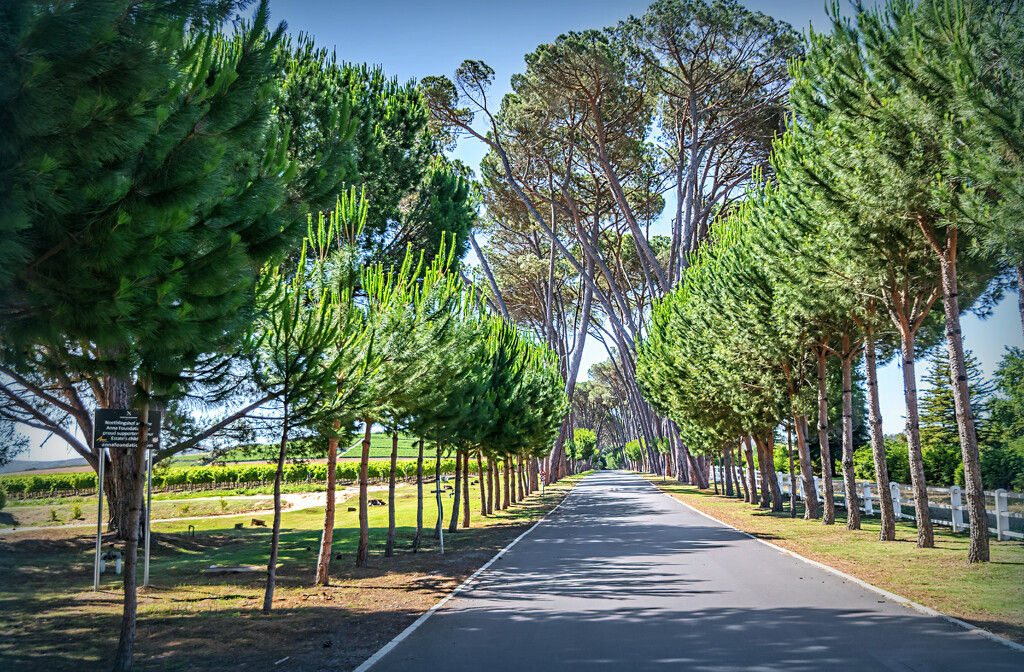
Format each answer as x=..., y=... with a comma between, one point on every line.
x=294, y=340
x=144, y=186
x=1007, y=419
x=940, y=437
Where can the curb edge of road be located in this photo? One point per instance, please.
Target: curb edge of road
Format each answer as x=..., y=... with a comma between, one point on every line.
x=386, y=649
x=860, y=582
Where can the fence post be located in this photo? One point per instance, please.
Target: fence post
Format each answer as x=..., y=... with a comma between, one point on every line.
x=1002, y=515
x=897, y=506
x=956, y=502
x=868, y=508
x=817, y=490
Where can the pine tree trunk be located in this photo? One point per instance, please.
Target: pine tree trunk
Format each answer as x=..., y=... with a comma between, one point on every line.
x=752, y=484
x=129, y=615
x=117, y=506
x=767, y=449
x=275, y=537
x=741, y=483
x=828, y=516
x=714, y=478
x=118, y=485
x=728, y=470
x=806, y=469
x=120, y=468
x=453, y=523
x=888, y=517
x=534, y=474
x=389, y=546
x=925, y=536
x=465, y=489
x=735, y=461
x=438, y=492
x=507, y=489
x=519, y=473
x=557, y=456
x=483, y=486
x=698, y=475
x=497, y=486
x=363, y=550
x=323, y=563
x=792, y=472
x=490, y=487
x=418, y=539
x=979, y=549
x=849, y=478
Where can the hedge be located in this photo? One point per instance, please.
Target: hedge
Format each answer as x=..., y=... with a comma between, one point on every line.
x=209, y=477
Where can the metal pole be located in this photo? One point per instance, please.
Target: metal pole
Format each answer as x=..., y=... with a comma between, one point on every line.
x=99, y=514
x=149, y=514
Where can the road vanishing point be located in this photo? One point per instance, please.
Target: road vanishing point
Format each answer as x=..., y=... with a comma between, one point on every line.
x=623, y=577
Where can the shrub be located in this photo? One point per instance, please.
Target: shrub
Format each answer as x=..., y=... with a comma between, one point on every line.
x=1003, y=467
x=76, y=512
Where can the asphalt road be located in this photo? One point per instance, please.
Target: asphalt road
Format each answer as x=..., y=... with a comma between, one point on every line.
x=621, y=577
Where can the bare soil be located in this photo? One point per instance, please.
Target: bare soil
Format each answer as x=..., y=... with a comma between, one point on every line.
x=50, y=619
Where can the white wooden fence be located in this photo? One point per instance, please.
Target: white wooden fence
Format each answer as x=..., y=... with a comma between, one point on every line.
x=1005, y=509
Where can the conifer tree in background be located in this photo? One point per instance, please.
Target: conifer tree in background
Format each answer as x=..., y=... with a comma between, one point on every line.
x=939, y=432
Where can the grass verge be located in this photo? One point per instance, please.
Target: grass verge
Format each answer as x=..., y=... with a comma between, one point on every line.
x=989, y=595
x=51, y=619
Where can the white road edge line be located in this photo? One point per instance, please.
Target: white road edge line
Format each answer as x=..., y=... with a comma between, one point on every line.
x=863, y=584
x=386, y=649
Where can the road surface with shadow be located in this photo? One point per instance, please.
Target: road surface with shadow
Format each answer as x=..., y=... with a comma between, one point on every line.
x=621, y=577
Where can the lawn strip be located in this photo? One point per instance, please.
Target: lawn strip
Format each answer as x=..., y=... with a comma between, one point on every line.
x=989, y=595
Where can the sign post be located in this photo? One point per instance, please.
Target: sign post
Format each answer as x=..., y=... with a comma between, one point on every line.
x=99, y=515
x=115, y=429
x=149, y=510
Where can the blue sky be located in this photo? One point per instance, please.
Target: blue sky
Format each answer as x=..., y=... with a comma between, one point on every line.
x=412, y=40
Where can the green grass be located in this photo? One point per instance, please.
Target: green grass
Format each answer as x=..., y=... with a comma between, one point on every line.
x=380, y=447
x=189, y=620
x=43, y=516
x=988, y=594
x=189, y=459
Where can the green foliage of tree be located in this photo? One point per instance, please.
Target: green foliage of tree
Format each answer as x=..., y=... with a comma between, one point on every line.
x=939, y=432
x=585, y=443
x=1007, y=406
x=896, y=461
x=12, y=442
x=1003, y=466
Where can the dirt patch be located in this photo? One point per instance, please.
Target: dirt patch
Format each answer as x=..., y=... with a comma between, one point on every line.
x=52, y=620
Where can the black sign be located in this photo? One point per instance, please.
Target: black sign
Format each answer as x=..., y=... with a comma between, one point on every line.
x=119, y=428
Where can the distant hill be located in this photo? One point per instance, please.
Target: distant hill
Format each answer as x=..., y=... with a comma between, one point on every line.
x=29, y=465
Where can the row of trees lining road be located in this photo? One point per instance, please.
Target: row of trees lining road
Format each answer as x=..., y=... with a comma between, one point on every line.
x=896, y=202
x=416, y=351
x=685, y=99
x=158, y=166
